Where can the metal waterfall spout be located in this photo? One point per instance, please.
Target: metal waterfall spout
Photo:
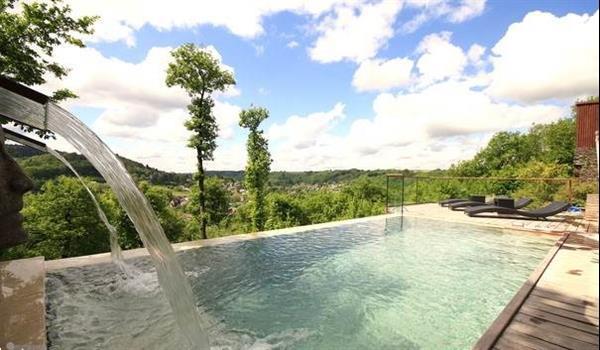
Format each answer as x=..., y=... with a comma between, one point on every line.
x=27, y=106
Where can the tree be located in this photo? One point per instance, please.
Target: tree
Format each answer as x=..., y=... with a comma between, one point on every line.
x=259, y=163
x=217, y=198
x=159, y=198
x=199, y=74
x=28, y=39
x=62, y=222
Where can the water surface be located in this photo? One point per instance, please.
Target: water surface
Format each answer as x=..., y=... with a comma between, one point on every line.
x=369, y=285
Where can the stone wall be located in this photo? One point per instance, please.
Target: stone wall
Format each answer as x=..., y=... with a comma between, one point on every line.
x=585, y=164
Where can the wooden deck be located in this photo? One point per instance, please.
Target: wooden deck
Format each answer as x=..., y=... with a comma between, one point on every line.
x=557, y=308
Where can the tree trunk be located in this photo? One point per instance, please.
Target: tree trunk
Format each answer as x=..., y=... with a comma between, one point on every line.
x=201, y=195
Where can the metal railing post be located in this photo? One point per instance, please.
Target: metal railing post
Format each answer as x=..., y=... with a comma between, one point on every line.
x=387, y=193
x=417, y=190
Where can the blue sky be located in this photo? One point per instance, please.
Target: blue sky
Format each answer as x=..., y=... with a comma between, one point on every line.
x=349, y=84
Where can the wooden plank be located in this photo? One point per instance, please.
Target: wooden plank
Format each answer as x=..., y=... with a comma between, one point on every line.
x=586, y=327
x=512, y=343
x=582, y=301
x=492, y=334
x=557, y=339
x=563, y=313
x=558, y=329
x=565, y=306
x=529, y=341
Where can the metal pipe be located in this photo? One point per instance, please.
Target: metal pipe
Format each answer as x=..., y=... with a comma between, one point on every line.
x=22, y=104
x=24, y=140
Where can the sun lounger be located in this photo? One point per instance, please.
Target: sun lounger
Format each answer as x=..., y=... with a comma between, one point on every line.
x=519, y=204
x=446, y=202
x=466, y=204
x=541, y=213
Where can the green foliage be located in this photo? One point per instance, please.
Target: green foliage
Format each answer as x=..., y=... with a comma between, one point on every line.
x=552, y=143
x=159, y=199
x=199, y=74
x=259, y=163
x=284, y=210
x=28, y=37
x=555, y=142
x=61, y=221
x=196, y=71
x=218, y=201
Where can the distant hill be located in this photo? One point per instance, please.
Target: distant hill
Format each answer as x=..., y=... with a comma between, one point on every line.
x=43, y=167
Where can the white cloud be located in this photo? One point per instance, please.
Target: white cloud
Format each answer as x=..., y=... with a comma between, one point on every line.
x=439, y=58
x=453, y=11
x=119, y=20
x=475, y=54
x=467, y=9
x=355, y=33
x=176, y=157
x=293, y=44
x=302, y=132
x=347, y=29
x=137, y=106
x=429, y=128
x=379, y=75
x=545, y=56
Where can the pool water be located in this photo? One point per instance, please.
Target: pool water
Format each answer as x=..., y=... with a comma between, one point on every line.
x=377, y=284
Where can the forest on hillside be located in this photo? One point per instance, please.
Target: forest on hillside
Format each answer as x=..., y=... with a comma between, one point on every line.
x=61, y=219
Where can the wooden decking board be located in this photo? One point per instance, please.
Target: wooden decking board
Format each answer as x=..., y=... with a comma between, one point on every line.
x=557, y=328
x=564, y=313
x=568, y=307
x=581, y=301
x=586, y=327
x=551, y=337
x=511, y=343
x=528, y=341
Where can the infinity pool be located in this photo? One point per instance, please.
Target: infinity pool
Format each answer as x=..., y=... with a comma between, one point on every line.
x=376, y=284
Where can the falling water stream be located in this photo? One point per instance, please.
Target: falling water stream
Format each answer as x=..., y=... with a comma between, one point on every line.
x=171, y=277
x=115, y=249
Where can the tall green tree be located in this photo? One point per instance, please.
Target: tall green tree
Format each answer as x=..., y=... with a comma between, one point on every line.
x=29, y=35
x=259, y=163
x=200, y=75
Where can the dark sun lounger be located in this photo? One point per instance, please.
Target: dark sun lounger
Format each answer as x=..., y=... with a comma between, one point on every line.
x=541, y=213
x=447, y=202
x=519, y=204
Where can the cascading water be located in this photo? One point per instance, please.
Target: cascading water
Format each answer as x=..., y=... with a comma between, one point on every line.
x=171, y=277
x=115, y=249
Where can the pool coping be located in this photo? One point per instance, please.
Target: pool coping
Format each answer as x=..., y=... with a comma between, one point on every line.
x=23, y=304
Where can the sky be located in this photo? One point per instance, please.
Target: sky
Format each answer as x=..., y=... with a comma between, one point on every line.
x=388, y=84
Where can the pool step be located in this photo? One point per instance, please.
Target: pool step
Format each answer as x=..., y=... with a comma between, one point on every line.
x=22, y=304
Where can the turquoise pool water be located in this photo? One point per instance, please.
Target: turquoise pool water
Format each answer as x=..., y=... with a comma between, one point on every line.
x=368, y=285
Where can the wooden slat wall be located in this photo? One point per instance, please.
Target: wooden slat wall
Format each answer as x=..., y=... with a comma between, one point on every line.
x=587, y=124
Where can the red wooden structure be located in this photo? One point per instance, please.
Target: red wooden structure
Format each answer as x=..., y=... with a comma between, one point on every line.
x=587, y=124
